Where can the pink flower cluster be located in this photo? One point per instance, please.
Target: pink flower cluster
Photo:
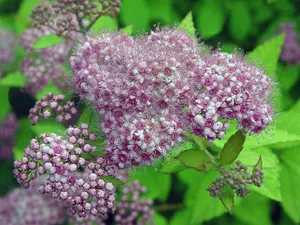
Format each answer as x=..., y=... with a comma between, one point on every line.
x=291, y=49
x=8, y=131
x=151, y=89
x=7, y=45
x=29, y=207
x=59, y=160
x=50, y=106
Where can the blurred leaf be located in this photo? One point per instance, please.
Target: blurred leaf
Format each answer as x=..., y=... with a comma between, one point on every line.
x=49, y=126
x=210, y=19
x=47, y=41
x=180, y=217
x=195, y=159
x=171, y=166
x=290, y=183
x=161, y=10
x=267, y=54
x=262, y=14
x=135, y=12
x=7, y=22
x=232, y=148
x=50, y=87
x=15, y=79
x=271, y=1
x=240, y=20
x=271, y=185
x=290, y=120
x=158, y=185
x=104, y=23
x=113, y=180
x=257, y=205
x=229, y=48
x=201, y=205
x=227, y=199
x=5, y=106
x=127, y=30
x=288, y=75
x=187, y=24
x=159, y=219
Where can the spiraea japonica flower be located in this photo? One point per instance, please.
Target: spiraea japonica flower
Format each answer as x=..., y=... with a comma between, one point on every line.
x=29, y=207
x=8, y=131
x=290, y=52
x=140, y=87
x=59, y=161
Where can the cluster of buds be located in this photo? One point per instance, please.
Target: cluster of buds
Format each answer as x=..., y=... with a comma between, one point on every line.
x=238, y=178
x=29, y=207
x=140, y=86
x=59, y=160
x=8, y=131
x=131, y=209
x=7, y=45
x=51, y=106
x=291, y=49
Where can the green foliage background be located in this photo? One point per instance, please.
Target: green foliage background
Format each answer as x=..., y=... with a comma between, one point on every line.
x=179, y=192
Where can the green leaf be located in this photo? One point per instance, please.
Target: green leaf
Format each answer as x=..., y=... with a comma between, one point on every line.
x=49, y=126
x=232, y=148
x=172, y=166
x=267, y=54
x=290, y=120
x=47, y=41
x=258, y=165
x=271, y=185
x=159, y=219
x=257, y=205
x=5, y=106
x=137, y=13
x=288, y=75
x=187, y=24
x=210, y=19
x=127, y=30
x=48, y=88
x=196, y=159
x=240, y=21
x=158, y=185
x=15, y=79
x=104, y=23
x=113, y=180
x=201, y=205
x=227, y=199
x=162, y=11
x=181, y=217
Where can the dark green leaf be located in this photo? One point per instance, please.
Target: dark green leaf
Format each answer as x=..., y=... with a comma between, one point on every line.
x=232, y=148
x=196, y=159
x=47, y=41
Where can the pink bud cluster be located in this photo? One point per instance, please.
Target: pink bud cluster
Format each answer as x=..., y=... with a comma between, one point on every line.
x=8, y=131
x=131, y=209
x=29, y=207
x=140, y=87
x=291, y=49
x=7, y=45
x=51, y=106
x=59, y=160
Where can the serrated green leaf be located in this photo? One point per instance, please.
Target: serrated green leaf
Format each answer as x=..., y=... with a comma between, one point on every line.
x=15, y=79
x=104, y=23
x=47, y=41
x=227, y=199
x=127, y=30
x=267, y=54
x=232, y=148
x=240, y=20
x=210, y=19
x=187, y=24
x=158, y=185
x=196, y=159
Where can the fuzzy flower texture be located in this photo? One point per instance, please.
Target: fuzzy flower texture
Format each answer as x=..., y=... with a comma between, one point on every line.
x=151, y=89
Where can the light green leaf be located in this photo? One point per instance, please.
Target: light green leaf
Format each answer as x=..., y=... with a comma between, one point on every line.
x=196, y=159
x=159, y=219
x=137, y=13
x=271, y=185
x=187, y=24
x=47, y=41
x=104, y=23
x=258, y=165
x=290, y=120
x=181, y=217
x=288, y=75
x=49, y=126
x=5, y=106
x=240, y=21
x=158, y=185
x=267, y=54
x=232, y=148
x=127, y=30
x=15, y=79
x=210, y=19
x=201, y=205
x=48, y=88
x=113, y=180
x=171, y=166
x=257, y=205
x=227, y=199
